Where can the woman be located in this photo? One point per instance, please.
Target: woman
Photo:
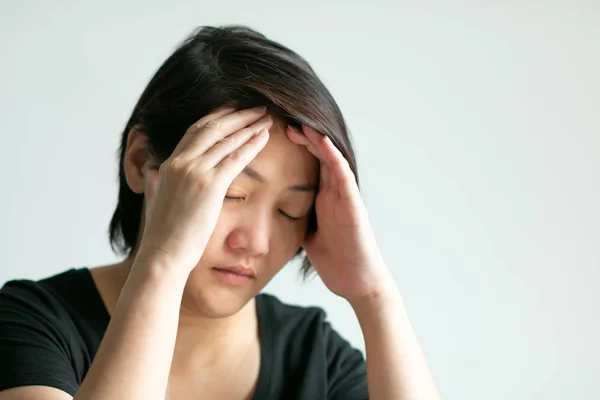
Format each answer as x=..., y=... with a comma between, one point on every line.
x=236, y=159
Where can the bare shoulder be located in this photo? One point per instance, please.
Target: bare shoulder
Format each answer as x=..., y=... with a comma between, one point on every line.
x=34, y=393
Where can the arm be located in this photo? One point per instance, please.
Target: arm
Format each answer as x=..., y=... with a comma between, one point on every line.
x=136, y=352
x=184, y=197
x=396, y=366
x=344, y=252
x=134, y=357
x=34, y=393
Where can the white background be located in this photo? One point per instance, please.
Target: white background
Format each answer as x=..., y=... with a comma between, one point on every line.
x=477, y=128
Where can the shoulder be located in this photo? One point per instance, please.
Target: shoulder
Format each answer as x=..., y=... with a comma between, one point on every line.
x=53, y=295
x=37, y=294
x=45, y=336
x=65, y=306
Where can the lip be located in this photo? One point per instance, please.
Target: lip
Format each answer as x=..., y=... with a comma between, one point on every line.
x=238, y=270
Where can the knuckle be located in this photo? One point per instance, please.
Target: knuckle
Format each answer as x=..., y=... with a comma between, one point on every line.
x=201, y=181
x=227, y=141
x=187, y=173
x=235, y=155
x=178, y=168
x=195, y=127
x=213, y=125
x=175, y=164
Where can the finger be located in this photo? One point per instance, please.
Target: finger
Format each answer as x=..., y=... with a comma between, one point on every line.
x=316, y=139
x=340, y=170
x=325, y=180
x=299, y=137
x=231, y=143
x=335, y=170
x=335, y=167
x=329, y=153
x=296, y=136
x=235, y=162
x=188, y=136
x=205, y=135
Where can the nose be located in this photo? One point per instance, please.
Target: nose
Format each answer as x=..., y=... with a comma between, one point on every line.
x=251, y=233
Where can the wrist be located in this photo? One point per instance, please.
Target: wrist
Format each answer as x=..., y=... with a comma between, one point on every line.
x=154, y=266
x=386, y=298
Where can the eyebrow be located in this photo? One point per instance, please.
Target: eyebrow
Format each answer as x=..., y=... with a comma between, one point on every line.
x=254, y=174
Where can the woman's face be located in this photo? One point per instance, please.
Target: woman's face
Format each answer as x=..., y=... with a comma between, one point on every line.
x=262, y=224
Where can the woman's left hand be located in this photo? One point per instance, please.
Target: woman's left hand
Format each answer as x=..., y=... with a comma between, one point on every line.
x=343, y=250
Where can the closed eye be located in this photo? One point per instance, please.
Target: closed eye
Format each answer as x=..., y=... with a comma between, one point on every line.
x=285, y=215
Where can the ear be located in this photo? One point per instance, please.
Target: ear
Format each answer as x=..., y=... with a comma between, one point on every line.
x=137, y=160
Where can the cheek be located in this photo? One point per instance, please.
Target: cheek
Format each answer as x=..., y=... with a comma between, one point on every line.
x=281, y=252
x=285, y=240
x=288, y=237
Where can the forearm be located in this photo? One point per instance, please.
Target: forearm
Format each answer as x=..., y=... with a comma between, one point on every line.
x=134, y=358
x=396, y=366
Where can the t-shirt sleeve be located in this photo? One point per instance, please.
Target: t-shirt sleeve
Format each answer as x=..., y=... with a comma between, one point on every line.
x=346, y=370
x=33, y=341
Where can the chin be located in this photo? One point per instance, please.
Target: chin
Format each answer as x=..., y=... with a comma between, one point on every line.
x=207, y=296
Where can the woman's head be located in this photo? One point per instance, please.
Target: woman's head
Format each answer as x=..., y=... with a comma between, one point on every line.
x=237, y=66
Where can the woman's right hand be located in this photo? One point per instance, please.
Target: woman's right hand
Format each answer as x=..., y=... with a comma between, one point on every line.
x=185, y=194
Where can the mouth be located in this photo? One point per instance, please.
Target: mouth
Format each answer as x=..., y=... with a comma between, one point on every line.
x=238, y=270
x=235, y=275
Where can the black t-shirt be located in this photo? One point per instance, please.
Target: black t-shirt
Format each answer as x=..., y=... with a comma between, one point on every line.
x=50, y=331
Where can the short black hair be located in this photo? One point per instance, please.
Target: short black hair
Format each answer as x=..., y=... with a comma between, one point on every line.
x=214, y=66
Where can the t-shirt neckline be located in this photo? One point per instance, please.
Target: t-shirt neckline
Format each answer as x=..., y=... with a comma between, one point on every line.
x=266, y=339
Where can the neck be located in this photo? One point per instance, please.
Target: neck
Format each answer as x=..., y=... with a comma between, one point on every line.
x=200, y=340
x=207, y=341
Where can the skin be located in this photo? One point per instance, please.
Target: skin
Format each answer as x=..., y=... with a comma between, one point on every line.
x=144, y=357
x=251, y=230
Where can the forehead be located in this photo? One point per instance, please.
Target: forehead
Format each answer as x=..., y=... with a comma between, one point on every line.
x=282, y=160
